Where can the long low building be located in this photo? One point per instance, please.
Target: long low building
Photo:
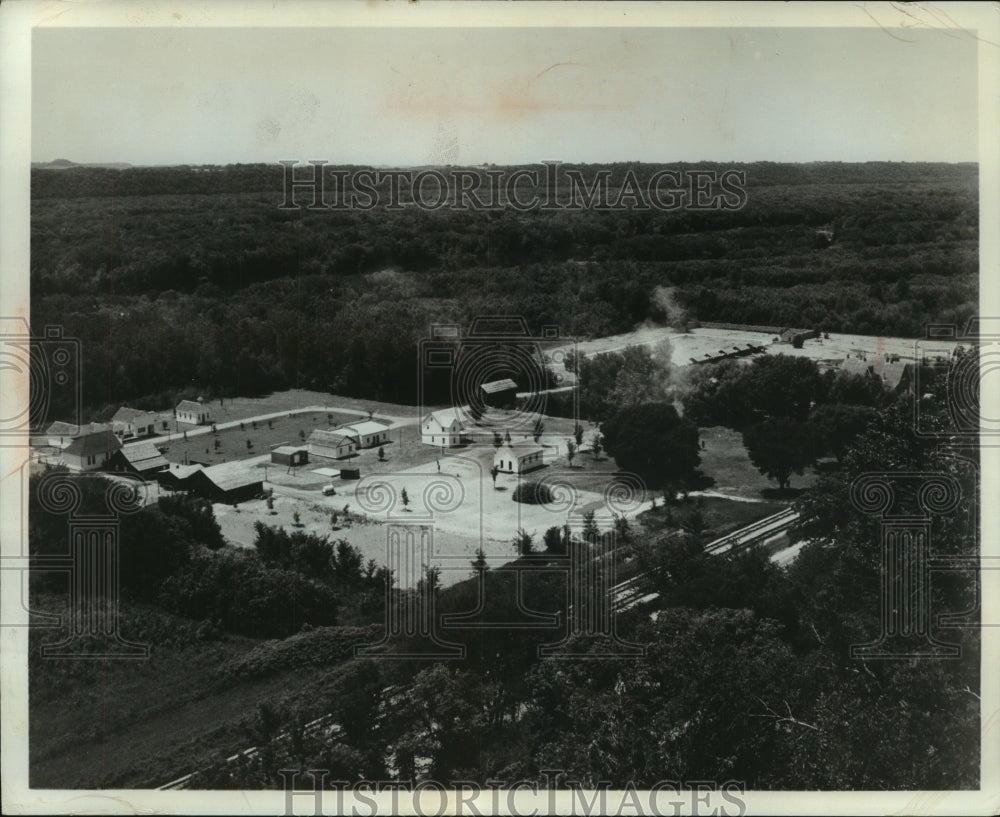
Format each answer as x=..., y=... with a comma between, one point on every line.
x=141, y=459
x=129, y=423
x=366, y=434
x=333, y=445
x=227, y=482
x=518, y=458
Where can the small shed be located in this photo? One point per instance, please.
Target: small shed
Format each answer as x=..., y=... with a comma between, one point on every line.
x=500, y=393
x=518, y=458
x=291, y=455
x=350, y=473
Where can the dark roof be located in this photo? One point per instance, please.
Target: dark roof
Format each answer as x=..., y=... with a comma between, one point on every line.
x=498, y=385
x=229, y=475
x=144, y=456
x=892, y=373
x=101, y=442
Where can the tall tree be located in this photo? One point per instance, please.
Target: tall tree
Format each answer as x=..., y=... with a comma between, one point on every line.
x=654, y=442
x=780, y=448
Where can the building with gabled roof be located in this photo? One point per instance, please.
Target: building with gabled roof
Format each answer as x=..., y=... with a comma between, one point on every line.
x=331, y=444
x=193, y=413
x=141, y=459
x=129, y=423
x=896, y=375
x=175, y=477
x=92, y=451
x=499, y=393
x=366, y=434
x=290, y=455
x=517, y=458
x=227, y=482
x=443, y=428
x=790, y=335
x=60, y=434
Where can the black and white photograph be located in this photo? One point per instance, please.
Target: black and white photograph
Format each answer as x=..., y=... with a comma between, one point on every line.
x=499, y=408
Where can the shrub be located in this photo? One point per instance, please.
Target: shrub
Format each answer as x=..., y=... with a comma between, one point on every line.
x=247, y=597
x=532, y=493
x=314, y=647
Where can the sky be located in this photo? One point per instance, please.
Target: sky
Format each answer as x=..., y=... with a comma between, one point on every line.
x=412, y=96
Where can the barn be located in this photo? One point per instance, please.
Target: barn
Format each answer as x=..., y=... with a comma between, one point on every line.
x=518, y=458
x=499, y=393
x=176, y=477
x=290, y=455
x=228, y=482
x=794, y=336
x=142, y=459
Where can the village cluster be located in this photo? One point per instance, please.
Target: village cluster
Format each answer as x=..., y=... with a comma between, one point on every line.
x=147, y=446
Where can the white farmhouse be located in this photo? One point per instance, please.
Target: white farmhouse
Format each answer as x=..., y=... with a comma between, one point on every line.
x=443, y=428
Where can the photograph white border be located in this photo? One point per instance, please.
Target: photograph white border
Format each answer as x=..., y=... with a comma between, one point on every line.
x=18, y=19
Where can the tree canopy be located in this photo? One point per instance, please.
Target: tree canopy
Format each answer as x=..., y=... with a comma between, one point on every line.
x=652, y=441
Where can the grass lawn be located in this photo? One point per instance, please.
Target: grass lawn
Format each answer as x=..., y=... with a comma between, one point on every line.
x=239, y=408
x=721, y=515
x=725, y=461
x=233, y=441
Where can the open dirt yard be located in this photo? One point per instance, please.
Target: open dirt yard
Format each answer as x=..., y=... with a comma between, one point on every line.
x=453, y=489
x=703, y=340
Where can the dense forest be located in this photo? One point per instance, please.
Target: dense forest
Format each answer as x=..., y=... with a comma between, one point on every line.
x=195, y=278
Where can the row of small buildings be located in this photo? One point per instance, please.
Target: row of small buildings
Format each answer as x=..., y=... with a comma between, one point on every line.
x=130, y=424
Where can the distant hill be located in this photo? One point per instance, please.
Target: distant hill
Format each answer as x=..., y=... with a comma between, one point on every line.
x=63, y=164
